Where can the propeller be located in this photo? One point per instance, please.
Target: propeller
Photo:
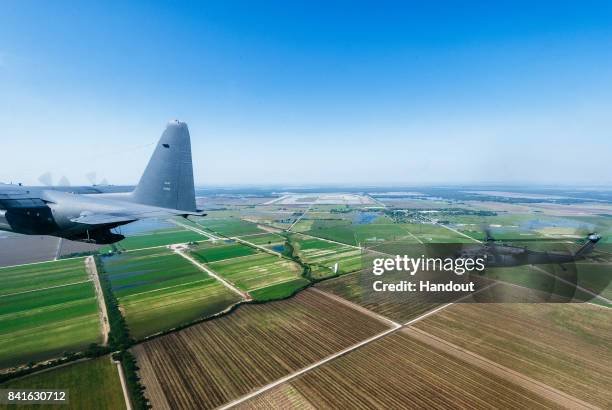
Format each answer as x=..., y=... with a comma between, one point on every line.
x=63, y=181
x=46, y=179
x=92, y=177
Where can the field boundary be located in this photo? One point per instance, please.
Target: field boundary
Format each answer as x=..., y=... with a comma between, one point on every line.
x=38, y=263
x=395, y=328
x=124, y=388
x=356, y=307
x=276, y=283
x=595, y=295
x=541, y=389
x=308, y=368
x=455, y=231
x=301, y=216
x=414, y=236
x=230, y=286
x=92, y=270
x=196, y=230
x=327, y=240
x=47, y=288
x=262, y=248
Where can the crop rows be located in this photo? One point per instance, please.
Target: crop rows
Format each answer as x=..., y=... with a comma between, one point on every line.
x=564, y=345
x=158, y=290
x=91, y=384
x=214, y=362
x=257, y=271
x=46, y=309
x=325, y=255
x=398, y=372
x=219, y=250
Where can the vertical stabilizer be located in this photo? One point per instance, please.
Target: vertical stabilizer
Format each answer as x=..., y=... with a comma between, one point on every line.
x=167, y=181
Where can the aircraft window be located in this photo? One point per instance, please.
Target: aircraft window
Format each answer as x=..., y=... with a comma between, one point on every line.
x=166, y=145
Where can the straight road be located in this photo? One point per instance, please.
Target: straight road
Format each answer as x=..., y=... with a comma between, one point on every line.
x=92, y=270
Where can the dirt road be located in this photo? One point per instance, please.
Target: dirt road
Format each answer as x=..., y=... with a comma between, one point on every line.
x=92, y=271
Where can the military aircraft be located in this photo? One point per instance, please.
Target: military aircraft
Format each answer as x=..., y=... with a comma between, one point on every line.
x=88, y=214
x=499, y=254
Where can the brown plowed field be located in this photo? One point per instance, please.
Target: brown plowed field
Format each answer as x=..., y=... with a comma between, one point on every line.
x=567, y=346
x=396, y=372
x=209, y=364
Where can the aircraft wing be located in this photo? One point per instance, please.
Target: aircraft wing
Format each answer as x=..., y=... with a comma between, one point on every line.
x=129, y=215
x=104, y=219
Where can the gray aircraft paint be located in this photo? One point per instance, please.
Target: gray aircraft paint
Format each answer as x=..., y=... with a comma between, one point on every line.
x=165, y=189
x=167, y=182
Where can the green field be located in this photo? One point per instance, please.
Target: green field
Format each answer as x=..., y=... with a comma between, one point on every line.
x=264, y=239
x=596, y=277
x=160, y=238
x=257, y=271
x=280, y=290
x=323, y=255
x=91, y=384
x=557, y=290
x=46, y=309
x=229, y=226
x=158, y=290
x=303, y=225
x=429, y=233
x=41, y=275
x=355, y=234
x=218, y=250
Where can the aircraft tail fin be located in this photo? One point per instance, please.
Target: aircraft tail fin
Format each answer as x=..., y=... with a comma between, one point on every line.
x=592, y=239
x=167, y=181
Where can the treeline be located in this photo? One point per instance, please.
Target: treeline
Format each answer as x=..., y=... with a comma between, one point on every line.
x=118, y=337
x=119, y=341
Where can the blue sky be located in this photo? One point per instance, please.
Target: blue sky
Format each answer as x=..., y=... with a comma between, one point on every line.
x=310, y=92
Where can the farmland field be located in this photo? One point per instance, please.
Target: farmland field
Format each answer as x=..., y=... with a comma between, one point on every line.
x=555, y=290
x=396, y=306
x=219, y=250
x=257, y=271
x=566, y=346
x=381, y=230
x=160, y=238
x=41, y=275
x=229, y=226
x=596, y=277
x=158, y=290
x=397, y=371
x=264, y=239
x=324, y=255
x=92, y=384
x=214, y=362
x=303, y=225
x=46, y=309
x=279, y=290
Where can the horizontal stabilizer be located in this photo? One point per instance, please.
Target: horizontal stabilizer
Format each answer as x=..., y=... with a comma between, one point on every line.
x=104, y=219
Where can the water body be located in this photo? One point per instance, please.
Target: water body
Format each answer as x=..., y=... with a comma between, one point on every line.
x=278, y=248
x=364, y=218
